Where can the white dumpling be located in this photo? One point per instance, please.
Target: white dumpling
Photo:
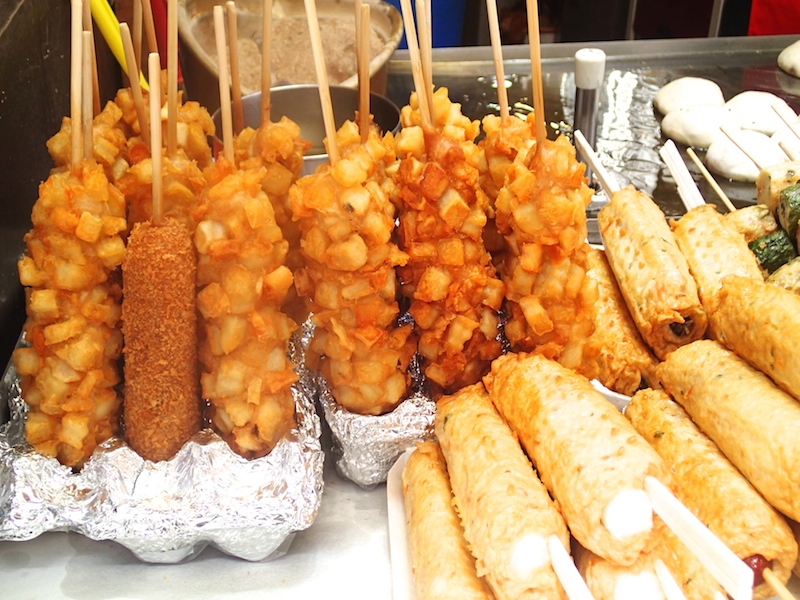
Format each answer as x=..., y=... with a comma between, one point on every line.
x=698, y=125
x=724, y=157
x=685, y=92
x=788, y=139
x=753, y=110
x=789, y=59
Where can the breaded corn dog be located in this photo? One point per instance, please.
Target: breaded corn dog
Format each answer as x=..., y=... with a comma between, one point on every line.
x=624, y=361
x=712, y=251
x=242, y=281
x=162, y=402
x=442, y=563
x=761, y=323
x=711, y=487
x=587, y=454
x=651, y=271
x=69, y=373
x=751, y=420
x=506, y=511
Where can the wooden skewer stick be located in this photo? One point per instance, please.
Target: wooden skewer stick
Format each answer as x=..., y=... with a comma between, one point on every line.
x=94, y=90
x=150, y=28
x=172, y=78
x=567, y=572
x=86, y=94
x=154, y=70
x=224, y=86
x=322, y=81
x=710, y=179
x=497, y=56
x=536, y=71
x=75, y=82
x=607, y=182
x=776, y=585
x=689, y=193
x=363, y=72
x=416, y=64
x=426, y=49
x=266, y=57
x=789, y=151
x=233, y=49
x=137, y=34
x=136, y=88
x=788, y=117
x=670, y=587
x=731, y=572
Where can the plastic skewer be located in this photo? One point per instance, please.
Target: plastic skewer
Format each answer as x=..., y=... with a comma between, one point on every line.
x=497, y=58
x=416, y=64
x=567, y=572
x=94, y=90
x=690, y=194
x=86, y=95
x=607, y=182
x=172, y=78
x=233, y=49
x=364, y=28
x=76, y=82
x=670, y=587
x=136, y=89
x=536, y=71
x=322, y=81
x=710, y=179
x=154, y=69
x=776, y=585
x=224, y=86
x=266, y=58
x=731, y=573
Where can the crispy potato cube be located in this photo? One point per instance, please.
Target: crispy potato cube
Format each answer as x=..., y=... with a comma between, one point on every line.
x=26, y=361
x=74, y=429
x=433, y=285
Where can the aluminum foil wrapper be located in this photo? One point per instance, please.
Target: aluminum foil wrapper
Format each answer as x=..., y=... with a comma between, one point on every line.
x=169, y=511
x=364, y=447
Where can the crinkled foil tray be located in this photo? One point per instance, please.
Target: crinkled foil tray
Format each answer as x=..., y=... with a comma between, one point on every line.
x=167, y=512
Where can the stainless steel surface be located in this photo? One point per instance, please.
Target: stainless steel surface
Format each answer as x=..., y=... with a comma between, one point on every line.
x=587, y=106
x=629, y=134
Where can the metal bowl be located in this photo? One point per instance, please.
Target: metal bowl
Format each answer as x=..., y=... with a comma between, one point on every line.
x=301, y=104
x=200, y=70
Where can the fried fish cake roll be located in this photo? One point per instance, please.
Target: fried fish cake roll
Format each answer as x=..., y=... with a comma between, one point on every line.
x=751, y=420
x=639, y=581
x=442, y=563
x=652, y=273
x=761, y=323
x=588, y=455
x=161, y=407
x=625, y=361
x=712, y=251
x=506, y=511
x=711, y=487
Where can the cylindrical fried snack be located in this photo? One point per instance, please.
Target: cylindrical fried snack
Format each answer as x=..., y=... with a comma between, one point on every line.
x=711, y=487
x=443, y=566
x=712, y=251
x=588, y=455
x=161, y=409
x=651, y=271
x=639, y=581
x=347, y=219
x=242, y=281
x=761, y=323
x=506, y=511
x=541, y=211
x=751, y=420
x=624, y=362
x=69, y=373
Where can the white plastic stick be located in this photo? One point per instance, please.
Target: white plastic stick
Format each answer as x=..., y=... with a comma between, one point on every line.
x=671, y=589
x=567, y=572
x=731, y=573
x=608, y=183
x=687, y=188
